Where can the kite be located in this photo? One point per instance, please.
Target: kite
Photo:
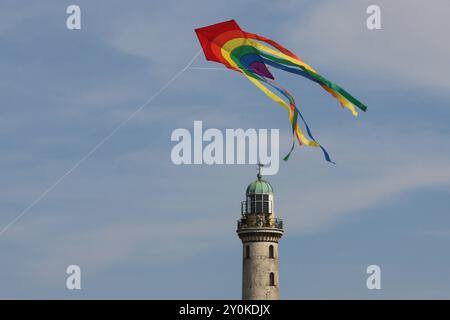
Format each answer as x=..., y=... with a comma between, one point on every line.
x=228, y=44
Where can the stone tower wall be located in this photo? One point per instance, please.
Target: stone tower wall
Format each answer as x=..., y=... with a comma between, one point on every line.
x=257, y=267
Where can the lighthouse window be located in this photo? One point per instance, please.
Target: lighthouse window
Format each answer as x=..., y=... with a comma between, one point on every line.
x=272, y=279
x=258, y=203
x=271, y=255
x=247, y=252
x=266, y=207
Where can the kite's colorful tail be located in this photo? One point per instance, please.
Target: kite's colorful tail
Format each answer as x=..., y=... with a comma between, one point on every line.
x=244, y=52
x=287, y=61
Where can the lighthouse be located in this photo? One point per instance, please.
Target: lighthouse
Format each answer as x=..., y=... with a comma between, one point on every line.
x=260, y=233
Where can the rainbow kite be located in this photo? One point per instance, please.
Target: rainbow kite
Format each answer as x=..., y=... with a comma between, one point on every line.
x=228, y=44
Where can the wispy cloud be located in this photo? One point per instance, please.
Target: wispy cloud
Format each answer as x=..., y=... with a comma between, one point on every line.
x=435, y=232
x=371, y=171
x=411, y=47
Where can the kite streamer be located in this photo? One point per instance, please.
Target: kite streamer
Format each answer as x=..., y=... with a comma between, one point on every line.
x=228, y=44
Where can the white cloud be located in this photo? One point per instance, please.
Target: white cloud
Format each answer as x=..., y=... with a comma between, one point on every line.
x=327, y=205
x=163, y=33
x=371, y=171
x=95, y=249
x=411, y=48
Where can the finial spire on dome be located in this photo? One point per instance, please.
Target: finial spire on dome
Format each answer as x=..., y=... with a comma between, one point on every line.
x=260, y=165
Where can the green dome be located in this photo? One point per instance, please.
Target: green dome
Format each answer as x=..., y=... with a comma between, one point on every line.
x=259, y=186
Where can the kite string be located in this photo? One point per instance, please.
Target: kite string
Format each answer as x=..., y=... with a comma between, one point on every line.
x=98, y=145
x=192, y=60
x=206, y=68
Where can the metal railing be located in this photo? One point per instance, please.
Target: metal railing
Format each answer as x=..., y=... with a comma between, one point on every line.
x=256, y=221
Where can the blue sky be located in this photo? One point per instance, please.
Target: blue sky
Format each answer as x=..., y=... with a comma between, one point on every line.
x=141, y=227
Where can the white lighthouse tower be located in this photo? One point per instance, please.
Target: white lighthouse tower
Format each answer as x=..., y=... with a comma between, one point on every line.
x=260, y=232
